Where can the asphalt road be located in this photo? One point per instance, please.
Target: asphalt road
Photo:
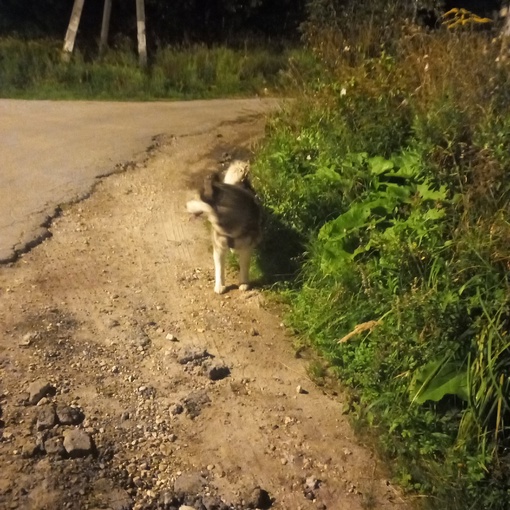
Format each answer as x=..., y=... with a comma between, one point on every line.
x=53, y=151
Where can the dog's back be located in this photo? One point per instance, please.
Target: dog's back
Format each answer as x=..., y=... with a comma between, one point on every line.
x=235, y=206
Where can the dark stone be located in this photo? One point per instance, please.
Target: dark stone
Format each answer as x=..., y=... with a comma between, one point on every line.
x=141, y=340
x=309, y=495
x=312, y=483
x=31, y=448
x=193, y=354
x=112, y=323
x=70, y=416
x=192, y=501
x=177, y=409
x=77, y=443
x=258, y=498
x=54, y=446
x=39, y=389
x=194, y=402
x=189, y=484
x=213, y=503
x=120, y=500
x=217, y=371
x=46, y=418
x=148, y=392
x=168, y=500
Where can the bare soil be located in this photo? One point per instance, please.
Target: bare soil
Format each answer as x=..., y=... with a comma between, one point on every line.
x=184, y=399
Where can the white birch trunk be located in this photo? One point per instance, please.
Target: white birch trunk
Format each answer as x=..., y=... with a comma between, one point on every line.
x=140, y=25
x=505, y=34
x=105, y=25
x=506, y=27
x=72, y=30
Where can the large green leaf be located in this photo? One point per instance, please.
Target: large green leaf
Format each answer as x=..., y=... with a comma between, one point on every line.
x=356, y=217
x=434, y=214
x=334, y=257
x=334, y=235
x=437, y=379
x=429, y=194
x=408, y=164
x=327, y=173
x=378, y=165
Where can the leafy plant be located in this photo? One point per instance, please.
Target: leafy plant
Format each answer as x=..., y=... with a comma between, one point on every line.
x=437, y=379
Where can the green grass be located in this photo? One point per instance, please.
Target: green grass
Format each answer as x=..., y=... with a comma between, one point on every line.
x=391, y=174
x=33, y=69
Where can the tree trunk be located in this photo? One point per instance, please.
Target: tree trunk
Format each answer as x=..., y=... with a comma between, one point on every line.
x=140, y=24
x=505, y=33
x=506, y=28
x=72, y=30
x=415, y=11
x=107, y=10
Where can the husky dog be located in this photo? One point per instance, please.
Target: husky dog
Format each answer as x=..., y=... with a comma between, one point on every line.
x=235, y=214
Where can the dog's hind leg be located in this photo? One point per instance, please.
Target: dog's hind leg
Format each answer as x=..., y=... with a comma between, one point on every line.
x=219, y=256
x=244, y=268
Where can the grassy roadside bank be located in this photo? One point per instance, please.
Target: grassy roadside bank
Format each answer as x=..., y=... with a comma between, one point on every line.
x=389, y=179
x=32, y=69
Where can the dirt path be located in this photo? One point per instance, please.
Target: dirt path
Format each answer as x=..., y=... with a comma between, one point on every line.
x=166, y=394
x=53, y=151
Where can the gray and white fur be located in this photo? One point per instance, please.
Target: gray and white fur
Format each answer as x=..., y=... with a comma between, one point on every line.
x=234, y=212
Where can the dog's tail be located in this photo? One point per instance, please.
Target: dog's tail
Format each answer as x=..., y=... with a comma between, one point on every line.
x=237, y=172
x=198, y=207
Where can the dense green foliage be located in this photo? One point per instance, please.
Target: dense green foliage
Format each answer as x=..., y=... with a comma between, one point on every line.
x=391, y=174
x=34, y=69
